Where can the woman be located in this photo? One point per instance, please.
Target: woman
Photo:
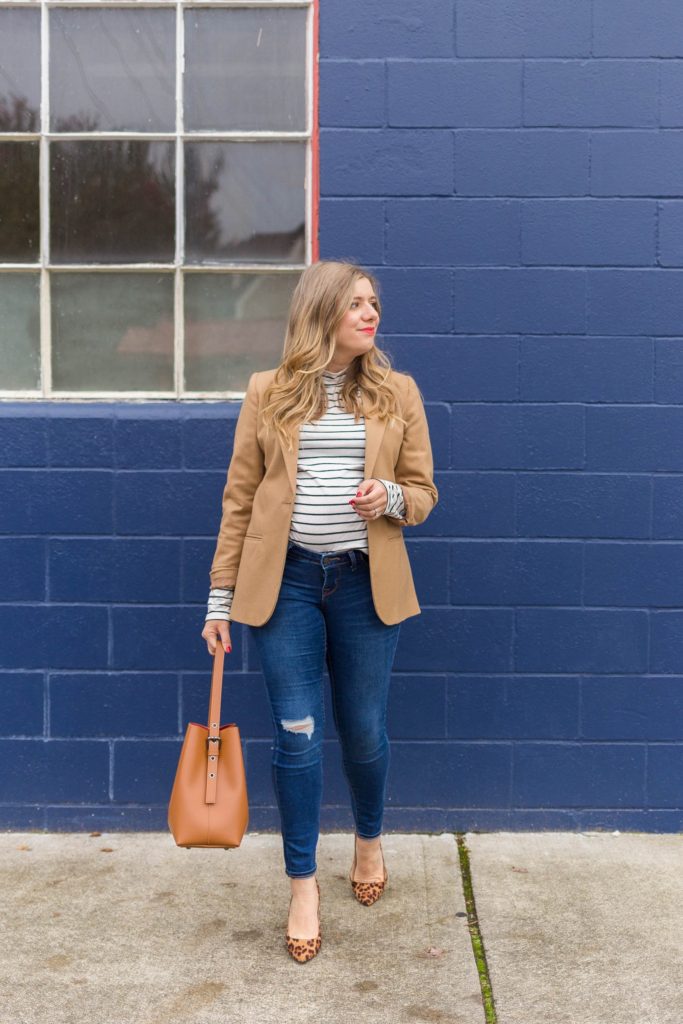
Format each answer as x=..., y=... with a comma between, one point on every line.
x=310, y=555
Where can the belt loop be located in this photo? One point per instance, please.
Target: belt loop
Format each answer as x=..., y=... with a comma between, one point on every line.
x=354, y=557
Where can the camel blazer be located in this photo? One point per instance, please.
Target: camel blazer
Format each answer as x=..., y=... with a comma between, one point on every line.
x=259, y=494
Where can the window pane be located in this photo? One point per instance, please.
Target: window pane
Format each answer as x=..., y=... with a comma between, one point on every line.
x=112, y=332
x=19, y=331
x=19, y=71
x=245, y=201
x=245, y=69
x=19, y=202
x=112, y=70
x=112, y=201
x=234, y=324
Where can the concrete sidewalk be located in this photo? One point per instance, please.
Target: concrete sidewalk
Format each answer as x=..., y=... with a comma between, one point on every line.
x=126, y=928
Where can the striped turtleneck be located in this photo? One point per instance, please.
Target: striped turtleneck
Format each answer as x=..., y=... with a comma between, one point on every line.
x=330, y=466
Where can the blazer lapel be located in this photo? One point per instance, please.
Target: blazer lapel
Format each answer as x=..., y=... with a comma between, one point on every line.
x=374, y=433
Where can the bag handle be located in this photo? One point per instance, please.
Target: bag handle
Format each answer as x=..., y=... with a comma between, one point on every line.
x=213, y=739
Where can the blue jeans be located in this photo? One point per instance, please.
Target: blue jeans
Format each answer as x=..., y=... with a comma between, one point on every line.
x=325, y=616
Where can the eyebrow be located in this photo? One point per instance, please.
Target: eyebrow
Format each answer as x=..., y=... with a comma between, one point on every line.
x=360, y=297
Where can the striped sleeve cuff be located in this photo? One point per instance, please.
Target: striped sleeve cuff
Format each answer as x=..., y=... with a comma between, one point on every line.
x=219, y=604
x=395, y=501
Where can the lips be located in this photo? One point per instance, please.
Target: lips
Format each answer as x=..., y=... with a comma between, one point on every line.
x=367, y=330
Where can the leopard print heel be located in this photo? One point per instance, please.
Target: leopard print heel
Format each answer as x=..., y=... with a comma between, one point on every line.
x=303, y=950
x=368, y=893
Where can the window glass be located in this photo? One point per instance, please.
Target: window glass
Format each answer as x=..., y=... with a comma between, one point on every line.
x=19, y=202
x=112, y=331
x=19, y=331
x=19, y=70
x=112, y=70
x=234, y=324
x=112, y=201
x=245, y=69
x=245, y=201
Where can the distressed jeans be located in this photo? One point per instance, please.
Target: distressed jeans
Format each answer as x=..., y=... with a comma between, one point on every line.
x=325, y=616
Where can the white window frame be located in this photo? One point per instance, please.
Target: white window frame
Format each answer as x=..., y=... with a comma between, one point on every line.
x=178, y=136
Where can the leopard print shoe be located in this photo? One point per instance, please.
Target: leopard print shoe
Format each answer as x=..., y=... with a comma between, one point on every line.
x=304, y=949
x=368, y=893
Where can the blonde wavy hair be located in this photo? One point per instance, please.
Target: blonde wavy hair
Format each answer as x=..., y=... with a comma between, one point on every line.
x=297, y=394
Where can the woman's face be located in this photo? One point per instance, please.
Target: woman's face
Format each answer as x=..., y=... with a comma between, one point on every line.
x=357, y=331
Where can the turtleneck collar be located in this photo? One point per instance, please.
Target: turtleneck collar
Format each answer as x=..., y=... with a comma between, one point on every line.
x=335, y=375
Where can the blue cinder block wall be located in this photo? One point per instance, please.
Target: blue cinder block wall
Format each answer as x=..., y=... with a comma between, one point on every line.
x=511, y=170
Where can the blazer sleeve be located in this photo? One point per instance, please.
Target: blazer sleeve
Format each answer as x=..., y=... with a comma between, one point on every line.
x=245, y=473
x=414, y=469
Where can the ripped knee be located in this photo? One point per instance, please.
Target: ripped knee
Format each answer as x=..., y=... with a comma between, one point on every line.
x=302, y=725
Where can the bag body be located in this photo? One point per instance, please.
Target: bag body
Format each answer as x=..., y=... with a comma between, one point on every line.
x=208, y=806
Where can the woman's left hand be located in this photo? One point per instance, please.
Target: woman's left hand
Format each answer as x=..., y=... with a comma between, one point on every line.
x=371, y=499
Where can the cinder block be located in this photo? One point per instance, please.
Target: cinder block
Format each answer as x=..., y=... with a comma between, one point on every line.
x=579, y=774
x=666, y=643
x=633, y=28
x=107, y=704
x=53, y=771
x=23, y=561
x=23, y=436
x=53, y=636
x=21, y=703
x=454, y=94
x=368, y=28
x=589, y=232
x=452, y=232
x=147, y=443
x=580, y=640
x=115, y=569
x=633, y=438
x=515, y=573
x=520, y=301
x=634, y=575
x=456, y=640
x=575, y=369
x=583, y=505
x=523, y=28
x=671, y=233
x=632, y=708
x=459, y=369
x=572, y=93
x=668, y=507
x=352, y=229
x=500, y=436
x=636, y=163
x=391, y=162
x=512, y=707
x=636, y=302
x=352, y=93
x=460, y=774
x=532, y=162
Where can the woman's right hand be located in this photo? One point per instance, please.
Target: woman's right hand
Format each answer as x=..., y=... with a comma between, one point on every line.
x=217, y=631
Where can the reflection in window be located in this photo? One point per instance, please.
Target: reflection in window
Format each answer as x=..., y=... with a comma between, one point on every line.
x=112, y=70
x=245, y=69
x=112, y=331
x=19, y=70
x=112, y=201
x=19, y=202
x=245, y=201
x=234, y=324
x=19, y=331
